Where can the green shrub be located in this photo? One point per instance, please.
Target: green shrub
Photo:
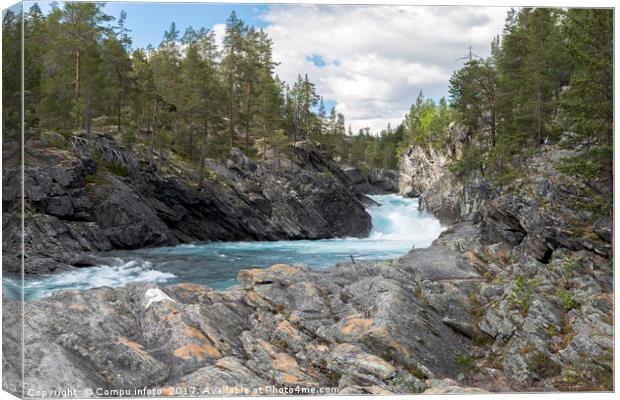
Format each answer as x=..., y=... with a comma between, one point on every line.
x=57, y=141
x=95, y=180
x=522, y=293
x=582, y=167
x=509, y=176
x=566, y=297
x=543, y=366
x=471, y=161
x=464, y=361
x=416, y=371
x=410, y=386
x=118, y=170
x=568, y=266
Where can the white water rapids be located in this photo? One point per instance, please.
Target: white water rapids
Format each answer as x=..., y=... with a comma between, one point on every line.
x=397, y=226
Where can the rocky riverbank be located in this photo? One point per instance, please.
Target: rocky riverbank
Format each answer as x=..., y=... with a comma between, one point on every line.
x=86, y=194
x=544, y=306
x=516, y=295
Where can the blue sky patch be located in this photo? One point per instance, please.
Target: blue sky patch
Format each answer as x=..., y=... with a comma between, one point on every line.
x=148, y=21
x=317, y=60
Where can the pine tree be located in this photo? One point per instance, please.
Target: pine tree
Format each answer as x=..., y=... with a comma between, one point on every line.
x=72, y=91
x=81, y=33
x=34, y=51
x=473, y=92
x=588, y=103
x=11, y=72
x=321, y=112
x=233, y=45
x=144, y=90
x=250, y=67
x=115, y=49
x=165, y=63
x=532, y=69
x=304, y=98
x=269, y=95
x=200, y=90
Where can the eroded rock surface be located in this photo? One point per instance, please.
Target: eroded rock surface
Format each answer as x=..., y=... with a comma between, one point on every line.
x=517, y=294
x=283, y=326
x=376, y=181
x=540, y=314
x=77, y=203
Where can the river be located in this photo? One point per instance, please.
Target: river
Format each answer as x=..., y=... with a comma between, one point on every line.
x=397, y=226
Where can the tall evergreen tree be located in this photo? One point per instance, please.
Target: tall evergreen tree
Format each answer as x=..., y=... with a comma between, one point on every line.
x=11, y=71
x=233, y=46
x=270, y=101
x=473, y=92
x=34, y=52
x=588, y=103
x=532, y=69
x=117, y=65
x=165, y=63
x=83, y=30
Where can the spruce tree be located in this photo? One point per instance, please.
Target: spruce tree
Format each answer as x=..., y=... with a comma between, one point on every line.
x=588, y=103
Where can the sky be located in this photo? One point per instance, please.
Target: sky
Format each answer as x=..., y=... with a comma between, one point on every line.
x=369, y=62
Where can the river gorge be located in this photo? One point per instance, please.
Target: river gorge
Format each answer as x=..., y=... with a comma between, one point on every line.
x=397, y=226
x=313, y=275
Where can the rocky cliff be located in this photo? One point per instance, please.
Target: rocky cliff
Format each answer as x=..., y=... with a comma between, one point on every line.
x=424, y=173
x=95, y=197
x=375, y=181
x=545, y=252
x=515, y=295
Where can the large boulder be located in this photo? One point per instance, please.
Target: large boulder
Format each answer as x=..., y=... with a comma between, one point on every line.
x=375, y=181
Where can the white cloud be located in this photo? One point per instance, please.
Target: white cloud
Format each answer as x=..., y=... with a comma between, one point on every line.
x=377, y=58
x=219, y=30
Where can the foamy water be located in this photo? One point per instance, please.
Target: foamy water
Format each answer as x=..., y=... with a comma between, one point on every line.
x=397, y=226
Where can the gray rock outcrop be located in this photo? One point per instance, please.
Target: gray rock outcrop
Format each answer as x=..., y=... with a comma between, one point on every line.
x=546, y=258
x=76, y=204
x=375, y=181
x=282, y=326
x=515, y=295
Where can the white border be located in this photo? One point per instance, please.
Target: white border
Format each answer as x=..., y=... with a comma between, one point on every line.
x=484, y=3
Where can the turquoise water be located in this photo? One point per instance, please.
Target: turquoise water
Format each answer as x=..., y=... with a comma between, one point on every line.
x=397, y=223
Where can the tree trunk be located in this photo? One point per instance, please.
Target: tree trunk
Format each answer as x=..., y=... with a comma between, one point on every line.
x=88, y=118
x=231, y=102
x=119, y=100
x=248, y=105
x=152, y=150
x=137, y=115
x=77, y=88
x=493, y=127
x=203, y=154
x=190, y=139
x=538, y=117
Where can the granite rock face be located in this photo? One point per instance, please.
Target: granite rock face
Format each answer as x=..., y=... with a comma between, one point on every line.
x=282, y=326
x=545, y=263
x=76, y=203
x=376, y=181
x=420, y=169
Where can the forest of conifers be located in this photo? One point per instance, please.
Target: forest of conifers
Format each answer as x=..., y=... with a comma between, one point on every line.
x=549, y=79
